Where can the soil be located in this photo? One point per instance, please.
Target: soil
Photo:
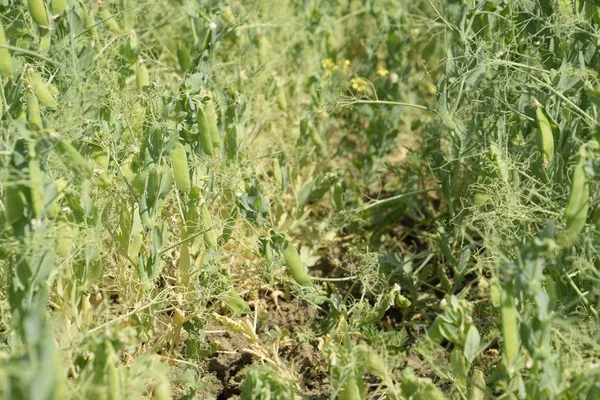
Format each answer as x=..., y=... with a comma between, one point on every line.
x=230, y=361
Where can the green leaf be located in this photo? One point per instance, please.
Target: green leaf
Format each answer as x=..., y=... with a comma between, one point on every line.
x=471, y=349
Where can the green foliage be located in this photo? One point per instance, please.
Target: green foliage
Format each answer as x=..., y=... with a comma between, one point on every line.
x=329, y=199
x=265, y=383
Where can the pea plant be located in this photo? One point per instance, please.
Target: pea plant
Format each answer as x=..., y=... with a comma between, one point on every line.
x=206, y=199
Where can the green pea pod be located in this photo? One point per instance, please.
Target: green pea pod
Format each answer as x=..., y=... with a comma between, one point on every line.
x=90, y=24
x=53, y=193
x=207, y=39
x=132, y=41
x=545, y=137
x=210, y=236
x=162, y=390
x=338, y=195
x=282, y=99
x=14, y=204
x=58, y=6
x=510, y=327
x=577, y=206
x=211, y=119
x=111, y=23
x=45, y=41
x=180, y=168
x=130, y=14
x=277, y=174
x=36, y=189
x=430, y=392
x=74, y=159
x=183, y=57
x=228, y=15
x=236, y=303
x=41, y=90
x=142, y=77
x=38, y=12
x=478, y=385
x=316, y=138
x=185, y=265
x=204, y=131
x=350, y=390
x=34, y=116
x=375, y=364
x=295, y=265
x=112, y=376
x=64, y=240
x=6, y=65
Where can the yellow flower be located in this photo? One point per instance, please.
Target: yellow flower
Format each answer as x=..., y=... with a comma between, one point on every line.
x=345, y=63
x=382, y=71
x=359, y=84
x=327, y=63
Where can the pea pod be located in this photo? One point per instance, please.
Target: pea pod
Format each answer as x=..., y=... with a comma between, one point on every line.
x=282, y=99
x=180, y=168
x=228, y=15
x=295, y=265
x=510, y=327
x=112, y=376
x=34, y=116
x=90, y=24
x=316, y=137
x=130, y=15
x=339, y=195
x=45, y=41
x=204, y=131
x=58, y=6
x=36, y=189
x=236, y=303
x=350, y=390
x=38, y=12
x=185, y=265
x=101, y=160
x=6, y=65
x=210, y=236
x=14, y=204
x=108, y=17
x=183, y=57
x=142, y=77
x=162, y=390
x=64, y=240
x=375, y=365
x=41, y=90
x=545, y=137
x=75, y=160
x=430, y=392
x=277, y=174
x=53, y=193
x=211, y=119
x=577, y=206
x=478, y=385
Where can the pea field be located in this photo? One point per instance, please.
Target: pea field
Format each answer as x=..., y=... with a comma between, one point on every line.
x=299, y=199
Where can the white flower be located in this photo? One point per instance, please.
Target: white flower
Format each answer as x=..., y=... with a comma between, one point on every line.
x=212, y=26
x=394, y=77
x=36, y=224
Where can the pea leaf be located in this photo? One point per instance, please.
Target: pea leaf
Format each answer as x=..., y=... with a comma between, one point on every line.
x=471, y=349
